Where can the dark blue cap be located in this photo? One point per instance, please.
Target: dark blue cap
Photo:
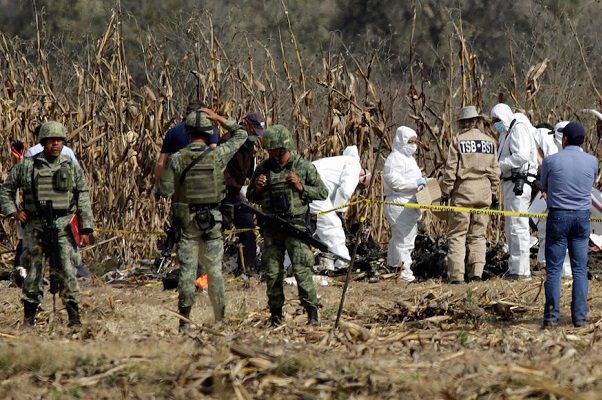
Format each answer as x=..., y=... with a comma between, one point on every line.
x=573, y=130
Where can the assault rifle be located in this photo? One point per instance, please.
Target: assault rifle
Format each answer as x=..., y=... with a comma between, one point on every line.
x=170, y=240
x=280, y=224
x=51, y=246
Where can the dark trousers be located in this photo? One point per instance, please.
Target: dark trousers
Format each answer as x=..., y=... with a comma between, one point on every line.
x=244, y=220
x=566, y=229
x=18, y=252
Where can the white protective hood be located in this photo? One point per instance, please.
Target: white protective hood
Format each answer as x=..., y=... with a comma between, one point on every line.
x=557, y=133
x=351, y=151
x=503, y=112
x=402, y=135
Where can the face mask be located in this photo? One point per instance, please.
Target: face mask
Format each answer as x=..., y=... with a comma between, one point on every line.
x=409, y=149
x=499, y=126
x=273, y=165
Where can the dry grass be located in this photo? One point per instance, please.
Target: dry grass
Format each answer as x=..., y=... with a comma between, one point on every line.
x=471, y=341
x=116, y=124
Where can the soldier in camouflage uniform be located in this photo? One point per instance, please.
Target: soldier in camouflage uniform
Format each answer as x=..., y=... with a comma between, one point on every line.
x=195, y=177
x=49, y=176
x=285, y=184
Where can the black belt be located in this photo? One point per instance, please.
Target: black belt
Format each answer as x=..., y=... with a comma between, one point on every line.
x=57, y=214
x=202, y=207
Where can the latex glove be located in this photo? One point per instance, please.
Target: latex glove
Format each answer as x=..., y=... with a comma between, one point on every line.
x=495, y=204
x=421, y=182
x=444, y=199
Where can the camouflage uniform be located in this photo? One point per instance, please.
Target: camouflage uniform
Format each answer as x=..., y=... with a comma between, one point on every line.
x=472, y=177
x=276, y=243
x=195, y=242
x=69, y=196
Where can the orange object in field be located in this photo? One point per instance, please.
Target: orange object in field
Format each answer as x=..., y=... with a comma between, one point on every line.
x=202, y=281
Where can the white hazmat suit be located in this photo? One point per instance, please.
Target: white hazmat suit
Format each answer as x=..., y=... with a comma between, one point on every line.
x=548, y=144
x=402, y=178
x=341, y=176
x=516, y=154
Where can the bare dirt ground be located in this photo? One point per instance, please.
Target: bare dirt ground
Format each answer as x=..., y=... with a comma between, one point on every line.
x=422, y=340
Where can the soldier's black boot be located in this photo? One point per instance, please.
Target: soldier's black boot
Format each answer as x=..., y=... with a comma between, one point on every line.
x=73, y=313
x=29, y=313
x=219, y=315
x=184, y=325
x=276, y=316
x=312, y=315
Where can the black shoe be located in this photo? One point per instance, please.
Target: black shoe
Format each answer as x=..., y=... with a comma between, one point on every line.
x=312, y=315
x=549, y=325
x=456, y=282
x=475, y=279
x=184, y=326
x=219, y=317
x=276, y=316
x=29, y=313
x=579, y=324
x=73, y=313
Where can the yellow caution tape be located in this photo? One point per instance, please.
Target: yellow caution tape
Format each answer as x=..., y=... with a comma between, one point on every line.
x=242, y=230
x=351, y=203
x=161, y=233
x=431, y=207
x=486, y=211
x=130, y=232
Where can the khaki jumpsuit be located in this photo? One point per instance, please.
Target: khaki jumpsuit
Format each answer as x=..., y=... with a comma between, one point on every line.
x=472, y=174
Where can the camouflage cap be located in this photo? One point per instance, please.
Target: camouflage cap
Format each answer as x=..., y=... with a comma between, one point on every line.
x=198, y=120
x=276, y=137
x=52, y=129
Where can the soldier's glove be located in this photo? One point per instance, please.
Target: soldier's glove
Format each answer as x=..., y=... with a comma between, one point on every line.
x=444, y=199
x=495, y=204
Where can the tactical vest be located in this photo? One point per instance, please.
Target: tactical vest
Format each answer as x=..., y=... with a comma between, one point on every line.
x=54, y=182
x=277, y=187
x=204, y=183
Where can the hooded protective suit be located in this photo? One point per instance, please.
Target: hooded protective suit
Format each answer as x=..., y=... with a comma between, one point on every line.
x=340, y=174
x=402, y=178
x=516, y=154
x=557, y=134
x=547, y=144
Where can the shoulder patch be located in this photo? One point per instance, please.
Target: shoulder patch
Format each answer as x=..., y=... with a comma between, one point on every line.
x=477, y=146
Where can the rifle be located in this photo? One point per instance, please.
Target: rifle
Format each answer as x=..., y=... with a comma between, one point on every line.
x=168, y=244
x=280, y=224
x=51, y=246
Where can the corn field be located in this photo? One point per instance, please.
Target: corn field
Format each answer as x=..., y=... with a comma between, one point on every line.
x=116, y=124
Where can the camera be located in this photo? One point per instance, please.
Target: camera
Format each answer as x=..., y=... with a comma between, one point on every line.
x=519, y=179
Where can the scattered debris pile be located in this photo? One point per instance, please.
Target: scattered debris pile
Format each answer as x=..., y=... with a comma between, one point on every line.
x=448, y=308
x=430, y=258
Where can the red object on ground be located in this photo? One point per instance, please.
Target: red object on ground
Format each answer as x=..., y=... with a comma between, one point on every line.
x=202, y=281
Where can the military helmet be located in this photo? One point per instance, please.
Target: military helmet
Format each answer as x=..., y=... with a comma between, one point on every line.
x=276, y=137
x=52, y=129
x=197, y=121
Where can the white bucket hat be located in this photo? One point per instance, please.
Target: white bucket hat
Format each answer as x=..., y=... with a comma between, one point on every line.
x=468, y=112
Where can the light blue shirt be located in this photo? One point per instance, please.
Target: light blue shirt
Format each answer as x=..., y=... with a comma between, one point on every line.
x=568, y=177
